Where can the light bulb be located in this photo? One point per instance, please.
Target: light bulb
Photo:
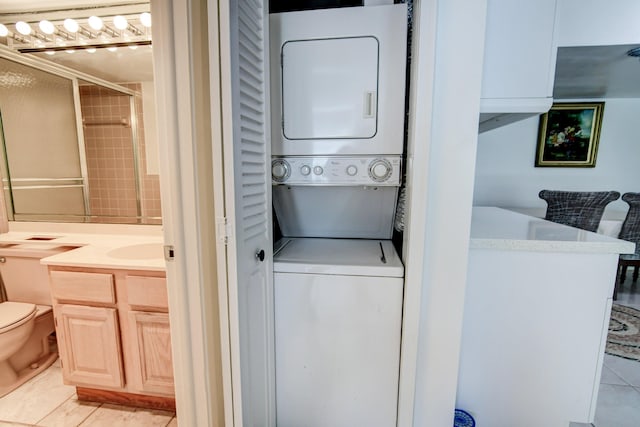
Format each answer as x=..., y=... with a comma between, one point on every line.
x=145, y=19
x=120, y=22
x=4, y=31
x=50, y=52
x=47, y=27
x=133, y=46
x=91, y=50
x=70, y=51
x=95, y=23
x=71, y=25
x=112, y=49
x=23, y=28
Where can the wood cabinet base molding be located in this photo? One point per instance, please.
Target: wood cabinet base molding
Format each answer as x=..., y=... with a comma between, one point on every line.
x=126, y=399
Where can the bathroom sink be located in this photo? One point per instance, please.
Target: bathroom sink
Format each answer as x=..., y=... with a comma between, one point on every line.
x=140, y=251
x=43, y=238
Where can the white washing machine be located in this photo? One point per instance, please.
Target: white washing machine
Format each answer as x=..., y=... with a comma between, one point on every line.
x=338, y=311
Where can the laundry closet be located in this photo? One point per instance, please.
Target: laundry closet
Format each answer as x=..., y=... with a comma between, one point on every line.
x=217, y=154
x=337, y=98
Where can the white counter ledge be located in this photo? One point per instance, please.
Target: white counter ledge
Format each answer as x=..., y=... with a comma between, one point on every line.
x=500, y=229
x=536, y=313
x=132, y=252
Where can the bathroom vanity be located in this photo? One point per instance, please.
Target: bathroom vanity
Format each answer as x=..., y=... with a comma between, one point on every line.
x=113, y=334
x=111, y=317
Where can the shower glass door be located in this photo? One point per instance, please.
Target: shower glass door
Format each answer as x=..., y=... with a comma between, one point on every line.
x=41, y=169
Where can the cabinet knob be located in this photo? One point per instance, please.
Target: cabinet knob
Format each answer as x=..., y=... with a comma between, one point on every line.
x=260, y=255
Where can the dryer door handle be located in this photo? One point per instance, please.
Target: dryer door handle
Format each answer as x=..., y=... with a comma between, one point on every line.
x=260, y=255
x=369, y=105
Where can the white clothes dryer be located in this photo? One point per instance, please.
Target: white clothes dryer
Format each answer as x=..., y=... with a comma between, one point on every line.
x=338, y=312
x=338, y=81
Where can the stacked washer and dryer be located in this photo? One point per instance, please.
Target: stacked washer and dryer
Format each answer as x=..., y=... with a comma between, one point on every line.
x=338, y=90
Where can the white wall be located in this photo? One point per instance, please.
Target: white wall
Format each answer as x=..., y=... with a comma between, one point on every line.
x=150, y=128
x=506, y=176
x=448, y=169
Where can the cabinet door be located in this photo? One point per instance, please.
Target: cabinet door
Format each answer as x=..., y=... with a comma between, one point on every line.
x=89, y=342
x=150, y=342
x=519, y=55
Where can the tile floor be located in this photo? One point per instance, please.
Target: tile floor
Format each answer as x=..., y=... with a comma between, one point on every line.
x=46, y=401
x=619, y=396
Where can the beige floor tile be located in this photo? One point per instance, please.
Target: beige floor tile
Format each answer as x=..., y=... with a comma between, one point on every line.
x=173, y=422
x=36, y=398
x=70, y=414
x=114, y=415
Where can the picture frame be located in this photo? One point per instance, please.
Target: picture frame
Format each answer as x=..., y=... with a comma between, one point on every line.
x=569, y=134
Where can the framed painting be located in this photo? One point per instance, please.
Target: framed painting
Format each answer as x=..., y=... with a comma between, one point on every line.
x=568, y=135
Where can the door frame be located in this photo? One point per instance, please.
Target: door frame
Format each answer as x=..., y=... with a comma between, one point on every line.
x=188, y=190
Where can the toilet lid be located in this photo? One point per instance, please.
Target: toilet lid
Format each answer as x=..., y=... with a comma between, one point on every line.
x=14, y=312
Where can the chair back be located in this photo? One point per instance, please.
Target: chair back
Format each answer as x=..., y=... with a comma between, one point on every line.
x=630, y=230
x=581, y=209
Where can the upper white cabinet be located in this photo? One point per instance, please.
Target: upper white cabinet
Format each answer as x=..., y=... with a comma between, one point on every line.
x=597, y=23
x=519, y=61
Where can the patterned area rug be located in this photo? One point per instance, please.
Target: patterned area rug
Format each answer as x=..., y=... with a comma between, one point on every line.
x=624, y=332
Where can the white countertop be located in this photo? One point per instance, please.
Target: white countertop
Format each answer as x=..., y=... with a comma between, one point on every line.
x=495, y=228
x=131, y=252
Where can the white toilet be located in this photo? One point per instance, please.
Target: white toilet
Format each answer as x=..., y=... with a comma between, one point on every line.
x=26, y=319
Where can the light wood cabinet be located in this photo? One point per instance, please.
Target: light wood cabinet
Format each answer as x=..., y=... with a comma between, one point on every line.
x=113, y=334
x=151, y=345
x=89, y=345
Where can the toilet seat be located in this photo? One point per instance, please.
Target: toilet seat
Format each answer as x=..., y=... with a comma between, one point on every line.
x=14, y=314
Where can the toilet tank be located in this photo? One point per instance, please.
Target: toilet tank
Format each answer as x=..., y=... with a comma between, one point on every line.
x=24, y=278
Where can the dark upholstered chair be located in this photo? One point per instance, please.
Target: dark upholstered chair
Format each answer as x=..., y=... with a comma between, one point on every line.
x=581, y=209
x=630, y=231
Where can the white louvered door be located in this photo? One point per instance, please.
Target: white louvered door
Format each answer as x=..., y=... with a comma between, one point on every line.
x=245, y=82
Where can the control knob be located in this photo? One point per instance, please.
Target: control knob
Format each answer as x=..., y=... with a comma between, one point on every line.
x=280, y=170
x=352, y=170
x=305, y=170
x=318, y=170
x=380, y=170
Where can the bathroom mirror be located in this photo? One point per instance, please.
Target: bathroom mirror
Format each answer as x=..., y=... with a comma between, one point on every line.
x=73, y=150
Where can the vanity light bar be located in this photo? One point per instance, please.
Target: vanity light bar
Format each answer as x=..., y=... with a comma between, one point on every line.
x=84, y=46
x=81, y=33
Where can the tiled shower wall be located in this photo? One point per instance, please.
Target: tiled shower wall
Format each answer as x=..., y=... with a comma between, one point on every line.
x=110, y=161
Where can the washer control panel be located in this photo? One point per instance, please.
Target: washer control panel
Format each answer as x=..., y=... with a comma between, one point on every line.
x=336, y=170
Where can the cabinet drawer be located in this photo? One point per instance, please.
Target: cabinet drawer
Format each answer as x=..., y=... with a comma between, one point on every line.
x=147, y=292
x=79, y=286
